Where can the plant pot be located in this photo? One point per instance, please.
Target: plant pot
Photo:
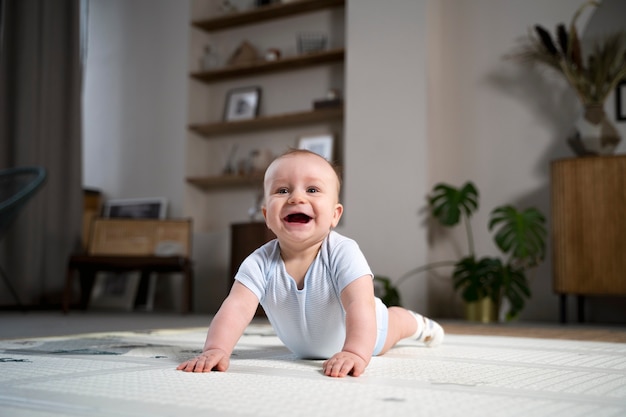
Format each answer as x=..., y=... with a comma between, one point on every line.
x=484, y=311
x=594, y=133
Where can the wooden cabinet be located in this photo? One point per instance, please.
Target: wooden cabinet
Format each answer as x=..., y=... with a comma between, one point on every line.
x=245, y=239
x=220, y=129
x=589, y=228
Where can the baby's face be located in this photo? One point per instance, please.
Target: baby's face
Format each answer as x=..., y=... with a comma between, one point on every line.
x=301, y=199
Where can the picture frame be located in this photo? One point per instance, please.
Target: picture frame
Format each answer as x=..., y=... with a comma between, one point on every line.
x=620, y=101
x=322, y=144
x=242, y=104
x=115, y=291
x=136, y=208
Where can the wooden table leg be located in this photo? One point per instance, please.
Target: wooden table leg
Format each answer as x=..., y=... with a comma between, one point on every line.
x=67, y=293
x=187, y=291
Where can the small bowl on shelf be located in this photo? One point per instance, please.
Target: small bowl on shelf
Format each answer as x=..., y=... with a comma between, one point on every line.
x=309, y=42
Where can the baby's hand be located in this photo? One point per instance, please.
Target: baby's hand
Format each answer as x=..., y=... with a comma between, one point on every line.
x=344, y=363
x=210, y=360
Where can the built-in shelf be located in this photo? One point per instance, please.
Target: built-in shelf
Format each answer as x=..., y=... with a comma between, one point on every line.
x=211, y=130
x=225, y=181
x=259, y=68
x=264, y=67
x=269, y=12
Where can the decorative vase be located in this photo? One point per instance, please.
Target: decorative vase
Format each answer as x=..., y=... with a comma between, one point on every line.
x=595, y=134
x=483, y=310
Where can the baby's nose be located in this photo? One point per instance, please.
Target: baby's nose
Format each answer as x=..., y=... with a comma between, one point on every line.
x=296, y=197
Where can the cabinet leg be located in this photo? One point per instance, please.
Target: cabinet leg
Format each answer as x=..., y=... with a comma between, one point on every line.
x=87, y=278
x=581, y=308
x=563, y=308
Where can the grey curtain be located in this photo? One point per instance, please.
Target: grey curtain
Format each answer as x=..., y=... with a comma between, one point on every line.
x=40, y=124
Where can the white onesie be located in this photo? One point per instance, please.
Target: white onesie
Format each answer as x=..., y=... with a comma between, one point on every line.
x=310, y=321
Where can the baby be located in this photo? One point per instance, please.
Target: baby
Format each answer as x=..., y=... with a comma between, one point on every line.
x=314, y=284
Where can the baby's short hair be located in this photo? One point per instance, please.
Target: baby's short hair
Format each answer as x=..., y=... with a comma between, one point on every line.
x=296, y=151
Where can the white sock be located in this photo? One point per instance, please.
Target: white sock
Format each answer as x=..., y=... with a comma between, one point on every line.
x=428, y=331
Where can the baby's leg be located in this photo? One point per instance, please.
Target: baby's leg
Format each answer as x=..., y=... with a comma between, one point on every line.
x=405, y=324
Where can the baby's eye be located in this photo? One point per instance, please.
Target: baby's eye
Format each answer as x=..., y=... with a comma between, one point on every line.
x=282, y=191
x=312, y=190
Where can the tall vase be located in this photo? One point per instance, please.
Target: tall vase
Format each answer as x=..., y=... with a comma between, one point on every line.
x=595, y=134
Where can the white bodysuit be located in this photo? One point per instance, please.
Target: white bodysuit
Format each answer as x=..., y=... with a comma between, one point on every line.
x=310, y=321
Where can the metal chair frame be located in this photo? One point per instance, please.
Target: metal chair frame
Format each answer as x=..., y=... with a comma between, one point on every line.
x=11, y=206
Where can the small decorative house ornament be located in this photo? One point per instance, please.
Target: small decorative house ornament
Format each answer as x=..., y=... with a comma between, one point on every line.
x=244, y=54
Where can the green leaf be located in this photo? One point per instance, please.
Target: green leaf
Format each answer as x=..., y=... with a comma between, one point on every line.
x=449, y=203
x=513, y=287
x=475, y=279
x=391, y=296
x=489, y=277
x=522, y=235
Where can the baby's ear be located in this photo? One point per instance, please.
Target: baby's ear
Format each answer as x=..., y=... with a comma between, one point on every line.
x=337, y=215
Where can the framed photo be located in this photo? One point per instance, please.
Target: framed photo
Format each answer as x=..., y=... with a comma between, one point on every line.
x=620, y=101
x=115, y=291
x=136, y=208
x=242, y=104
x=322, y=145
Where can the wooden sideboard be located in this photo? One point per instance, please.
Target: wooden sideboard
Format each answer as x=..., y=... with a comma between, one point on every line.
x=588, y=228
x=245, y=239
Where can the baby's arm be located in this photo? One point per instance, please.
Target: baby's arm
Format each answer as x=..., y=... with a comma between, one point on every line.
x=358, y=301
x=225, y=330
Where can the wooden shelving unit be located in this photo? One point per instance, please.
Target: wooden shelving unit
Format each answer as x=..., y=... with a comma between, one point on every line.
x=215, y=129
x=270, y=12
x=265, y=67
x=211, y=130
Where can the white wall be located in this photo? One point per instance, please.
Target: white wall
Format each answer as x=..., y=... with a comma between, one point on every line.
x=386, y=168
x=429, y=99
x=135, y=100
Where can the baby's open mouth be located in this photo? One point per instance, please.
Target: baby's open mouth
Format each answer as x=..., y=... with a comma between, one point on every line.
x=297, y=218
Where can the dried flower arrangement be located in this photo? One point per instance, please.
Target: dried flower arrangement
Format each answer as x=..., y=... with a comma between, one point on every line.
x=593, y=75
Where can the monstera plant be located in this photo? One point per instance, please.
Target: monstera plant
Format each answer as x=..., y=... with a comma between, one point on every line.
x=519, y=235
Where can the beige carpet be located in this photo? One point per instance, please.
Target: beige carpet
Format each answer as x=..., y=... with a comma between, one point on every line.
x=132, y=374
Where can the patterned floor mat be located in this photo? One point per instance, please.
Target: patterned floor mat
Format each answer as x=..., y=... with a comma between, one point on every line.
x=133, y=374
